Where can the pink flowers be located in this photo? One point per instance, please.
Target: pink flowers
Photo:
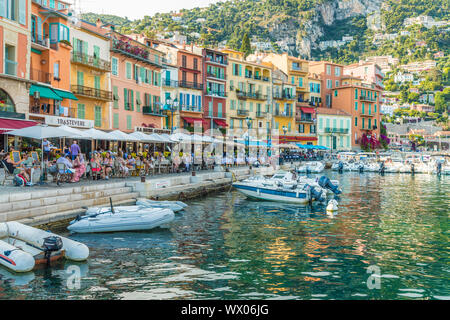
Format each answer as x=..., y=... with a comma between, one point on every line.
x=124, y=45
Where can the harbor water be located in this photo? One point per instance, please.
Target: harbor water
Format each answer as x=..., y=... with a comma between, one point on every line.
x=388, y=240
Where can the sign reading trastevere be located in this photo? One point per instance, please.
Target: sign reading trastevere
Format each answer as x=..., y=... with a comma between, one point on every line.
x=71, y=122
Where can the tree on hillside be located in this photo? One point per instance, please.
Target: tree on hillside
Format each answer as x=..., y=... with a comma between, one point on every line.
x=246, y=49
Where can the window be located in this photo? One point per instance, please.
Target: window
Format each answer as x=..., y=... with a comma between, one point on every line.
x=336, y=83
x=313, y=128
x=328, y=69
x=56, y=70
x=52, y=4
x=356, y=105
x=81, y=111
x=183, y=61
x=301, y=128
x=356, y=121
x=116, y=121
x=128, y=122
x=115, y=66
x=335, y=93
x=195, y=63
x=329, y=84
x=337, y=71
x=116, y=97
x=356, y=93
x=320, y=123
x=98, y=116
x=300, y=82
x=128, y=69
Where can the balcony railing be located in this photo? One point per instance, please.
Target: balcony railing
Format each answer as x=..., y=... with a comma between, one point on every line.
x=190, y=108
x=278, y=113
x=303, y=118
x=190, y=85
x=251, y=95
x=261, y=114
x=41, y=76
x=212, y=75
x=216, y=93
x=277, y=95
x=134, y=52
x=10, y=67
x=42, y=42
x=215, y=115
x=365, y=98
x=336, y=130
x=289, y=96
x=153, y=111
x=52, y=110
x=169, y=83
x=242, y=112
x=265, y=79
x=92, y=92
x=217, y=60
x=91, y=61
x=365, y=114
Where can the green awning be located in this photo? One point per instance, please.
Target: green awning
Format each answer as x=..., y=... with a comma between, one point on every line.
x=65, y=94
x=44, y=92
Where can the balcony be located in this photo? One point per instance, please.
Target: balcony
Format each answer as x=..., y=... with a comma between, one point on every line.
x=215, y=76
x=277, y=113
x=250, y=95
x=261, y=114
x=41, y=76
x=92, y=92
x=242, y=112
x=90, y=61
x=267, y=79
x=190, y=108
x=152, y=111
x=217, y=60
x=365, y=114
x=53, y=111
x=169, y=83
x=40, y=44
x=216, y=93
x=190, y=85
x=288, y=96
x=10, y=67
x=296, y=67
x=277, y=96
x=304, y=118
x=364, y=98
x=215, y=115
x=134, y=52
x=336, y=130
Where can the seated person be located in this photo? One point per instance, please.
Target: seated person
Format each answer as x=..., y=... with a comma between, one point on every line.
x=107, y=165
x=15, y=168
x=131, y=162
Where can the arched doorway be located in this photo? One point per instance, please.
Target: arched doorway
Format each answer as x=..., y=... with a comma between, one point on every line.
x=6, y=102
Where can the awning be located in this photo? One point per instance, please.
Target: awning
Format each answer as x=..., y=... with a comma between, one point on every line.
x=12, y=124
x=44, y=92
x=221, y=123
x=307, y=110
x=192, y=120
x=65, y=94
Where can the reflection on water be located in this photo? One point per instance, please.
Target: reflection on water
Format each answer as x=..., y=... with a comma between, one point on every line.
x=228, y=247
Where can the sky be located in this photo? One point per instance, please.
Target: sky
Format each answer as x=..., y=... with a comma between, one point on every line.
x=136, y=9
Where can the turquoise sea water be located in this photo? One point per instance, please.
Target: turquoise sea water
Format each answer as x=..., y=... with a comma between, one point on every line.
x=227, y=247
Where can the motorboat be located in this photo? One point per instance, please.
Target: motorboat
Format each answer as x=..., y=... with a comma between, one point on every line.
x=285, y=187
x=311, y=167
x=23, y=247
x=371, y=166
x=126, y=218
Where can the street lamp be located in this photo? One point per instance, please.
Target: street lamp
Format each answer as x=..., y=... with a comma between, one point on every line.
x=249, y=125
x=172, y=106
x=285, y=130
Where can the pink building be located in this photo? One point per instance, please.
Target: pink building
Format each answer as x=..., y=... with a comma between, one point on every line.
x=367, y=71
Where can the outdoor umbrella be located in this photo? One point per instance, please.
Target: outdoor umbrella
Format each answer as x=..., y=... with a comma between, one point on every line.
x=75, y=133
x=122, y=136
x=97, y=134
x=40, y=133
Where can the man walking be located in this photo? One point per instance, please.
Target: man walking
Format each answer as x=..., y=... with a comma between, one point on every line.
x=74, y=150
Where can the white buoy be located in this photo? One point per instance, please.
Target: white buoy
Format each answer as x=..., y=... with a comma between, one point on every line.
x=332, y=206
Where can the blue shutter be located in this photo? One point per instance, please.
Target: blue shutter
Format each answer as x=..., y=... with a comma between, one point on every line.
x=23, y=12
x=2, y=8
x=181, y=99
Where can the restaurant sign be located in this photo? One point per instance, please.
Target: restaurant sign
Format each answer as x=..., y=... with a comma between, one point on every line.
x=71, y=122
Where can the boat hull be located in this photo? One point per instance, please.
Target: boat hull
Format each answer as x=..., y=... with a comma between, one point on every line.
x=273, y=195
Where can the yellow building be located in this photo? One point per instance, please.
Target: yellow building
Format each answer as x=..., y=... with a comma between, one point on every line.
x=90, y=75
x=283, y=101
x=249, y=96
x=296, y=70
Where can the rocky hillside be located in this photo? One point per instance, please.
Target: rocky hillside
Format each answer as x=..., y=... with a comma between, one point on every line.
x=302, y=27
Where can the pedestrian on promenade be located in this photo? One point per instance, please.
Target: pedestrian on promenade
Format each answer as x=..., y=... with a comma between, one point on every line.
x=74, y=150
x=46, y=145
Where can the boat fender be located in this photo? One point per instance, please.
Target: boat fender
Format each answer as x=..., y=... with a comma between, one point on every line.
x=332, y=205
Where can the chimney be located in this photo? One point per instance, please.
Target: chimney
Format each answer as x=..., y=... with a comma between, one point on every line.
x=98, y=23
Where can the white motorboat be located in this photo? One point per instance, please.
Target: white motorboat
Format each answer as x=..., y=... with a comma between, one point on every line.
x=129, y=218
x=285, y=187
x=311, y=167
x=22, y=247
x=371, y=167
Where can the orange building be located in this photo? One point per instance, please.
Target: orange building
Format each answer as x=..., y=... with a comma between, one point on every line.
x=362, y=102
x=50, y=96
x=330, y=73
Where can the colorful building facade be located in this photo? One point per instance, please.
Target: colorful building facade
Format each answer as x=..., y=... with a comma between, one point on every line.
x=334, y=129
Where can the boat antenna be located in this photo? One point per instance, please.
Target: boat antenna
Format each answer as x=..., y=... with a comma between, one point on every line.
x=110, y=202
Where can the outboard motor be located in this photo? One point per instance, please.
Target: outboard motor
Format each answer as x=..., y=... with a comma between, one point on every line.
x=382, y=168
x=361, y=168
x=412, y=168
x=439, y=168
x=315, y=194
x=51, y=244
x=340, y=167
x=324, y=182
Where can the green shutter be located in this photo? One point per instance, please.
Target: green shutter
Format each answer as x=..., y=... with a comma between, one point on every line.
x=116, y=121
x=138, y=101
x=80, y=78
x=125, y=98
x=23, y=12
x=240, y=70
x=81, y=112
x=132, y=100
x=97, y=82
x=128, y=66
x=98, y=116
x=128, y=122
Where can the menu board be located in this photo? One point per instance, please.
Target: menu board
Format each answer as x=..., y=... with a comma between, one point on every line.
x=15, y=155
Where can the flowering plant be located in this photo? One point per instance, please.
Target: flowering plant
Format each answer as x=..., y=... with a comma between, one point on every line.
x=124, y=45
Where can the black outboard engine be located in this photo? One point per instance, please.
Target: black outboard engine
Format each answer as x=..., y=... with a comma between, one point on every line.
x=315, y=194
x=324, y=182
x=361, y=168
x=51, y=244
x=382, y=168
x=412, y=168
x=340, y=167
x=439, y=168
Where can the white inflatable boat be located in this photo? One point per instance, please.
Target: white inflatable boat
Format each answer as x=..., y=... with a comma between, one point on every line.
x=22, y=247
x=131, y=218
x=175, y=206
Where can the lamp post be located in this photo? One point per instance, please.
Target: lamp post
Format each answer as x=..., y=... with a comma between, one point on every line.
x=285, y=130
x=249, y=125
x=172, y=106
